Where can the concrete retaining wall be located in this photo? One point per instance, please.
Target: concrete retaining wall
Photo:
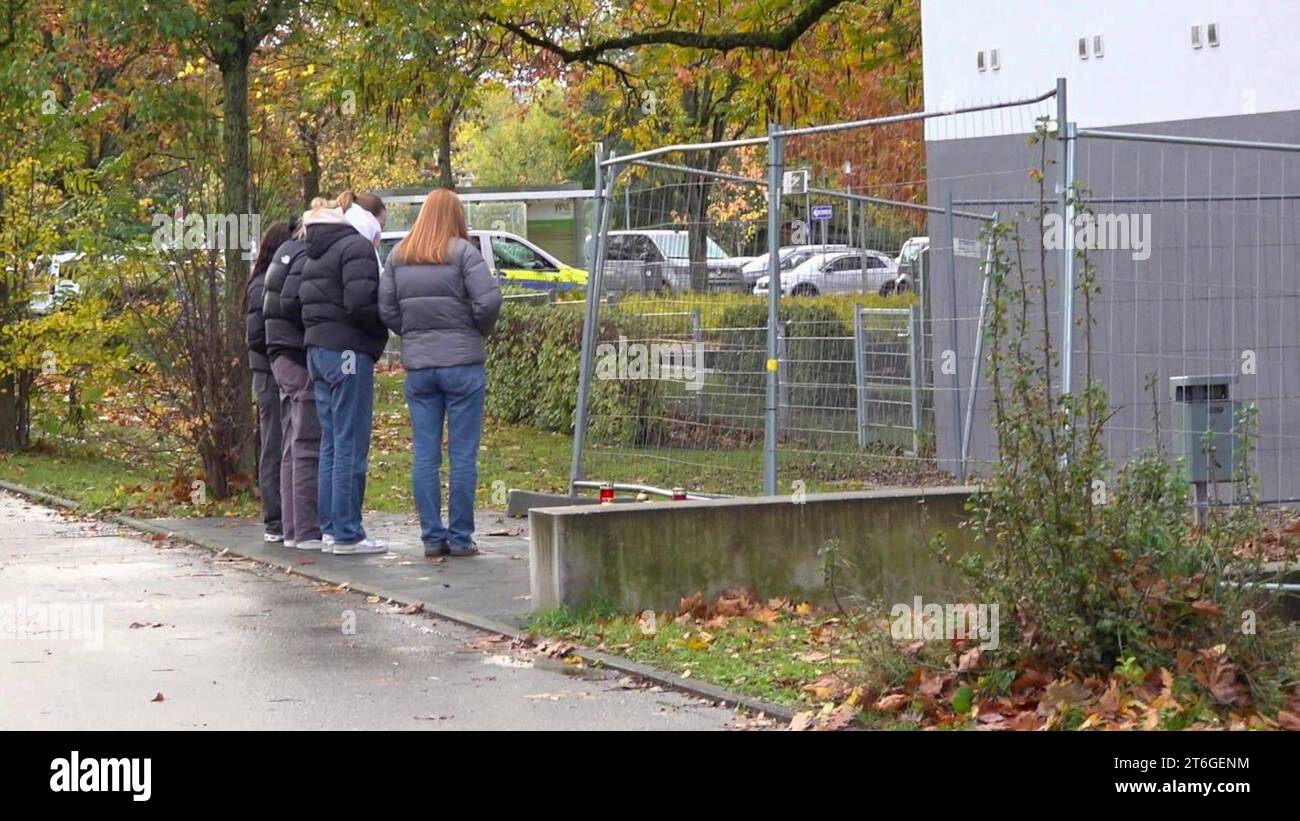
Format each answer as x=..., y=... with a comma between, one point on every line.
x=650, y=554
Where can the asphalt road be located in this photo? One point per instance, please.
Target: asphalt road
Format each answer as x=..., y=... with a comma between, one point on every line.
x=106, y=629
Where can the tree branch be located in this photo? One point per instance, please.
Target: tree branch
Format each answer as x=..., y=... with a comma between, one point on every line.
x=781, y=39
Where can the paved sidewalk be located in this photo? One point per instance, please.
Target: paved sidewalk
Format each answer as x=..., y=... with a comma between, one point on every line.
x=114, y=631
x=493, y=585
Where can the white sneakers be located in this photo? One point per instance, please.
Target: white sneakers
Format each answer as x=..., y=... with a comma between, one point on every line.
x=326, y=544
x=363, y=546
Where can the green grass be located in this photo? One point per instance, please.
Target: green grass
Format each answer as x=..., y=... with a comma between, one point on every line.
x=81, y=474
x=105, y=474
x=516, y=456
x=773, y=660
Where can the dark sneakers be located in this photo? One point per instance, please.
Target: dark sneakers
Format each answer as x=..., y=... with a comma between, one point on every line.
x=436, y=549
x=470, y=549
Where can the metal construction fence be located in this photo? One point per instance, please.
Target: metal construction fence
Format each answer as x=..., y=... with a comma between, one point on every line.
x=788, y=312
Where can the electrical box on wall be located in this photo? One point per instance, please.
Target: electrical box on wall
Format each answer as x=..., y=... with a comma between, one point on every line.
x=1204, y=420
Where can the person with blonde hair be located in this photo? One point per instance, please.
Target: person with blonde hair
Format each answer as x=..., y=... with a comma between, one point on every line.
x=437, y=293
x=343, y=336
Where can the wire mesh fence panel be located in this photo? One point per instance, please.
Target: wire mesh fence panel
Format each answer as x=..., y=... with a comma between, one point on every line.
x=920, y=363
x=677, y=398
x=874, y=333
x=891, y=399
x=869, y=364
x=1194, y=249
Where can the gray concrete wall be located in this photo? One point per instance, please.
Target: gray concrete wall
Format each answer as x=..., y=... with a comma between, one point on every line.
x=1221, y=279
x=651, y=554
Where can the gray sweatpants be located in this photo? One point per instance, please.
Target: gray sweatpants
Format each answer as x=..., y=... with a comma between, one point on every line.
x=300, y=451
x=268, y=459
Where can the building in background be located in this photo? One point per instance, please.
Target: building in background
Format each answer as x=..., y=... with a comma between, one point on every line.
x=1217, y=292
x=556, y=217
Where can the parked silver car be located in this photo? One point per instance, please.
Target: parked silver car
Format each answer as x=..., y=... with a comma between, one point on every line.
x=835, y=272
x=792, y=256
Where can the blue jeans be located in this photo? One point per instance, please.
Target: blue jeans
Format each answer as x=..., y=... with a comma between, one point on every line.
x=455, y=393
x=344, y=384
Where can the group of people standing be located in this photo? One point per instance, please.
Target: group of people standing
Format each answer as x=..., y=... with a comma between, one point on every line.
x=320, y=309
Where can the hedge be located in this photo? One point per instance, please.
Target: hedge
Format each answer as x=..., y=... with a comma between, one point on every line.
x=533, y=358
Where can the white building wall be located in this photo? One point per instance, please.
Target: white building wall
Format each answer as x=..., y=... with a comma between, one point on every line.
x=1148, y=72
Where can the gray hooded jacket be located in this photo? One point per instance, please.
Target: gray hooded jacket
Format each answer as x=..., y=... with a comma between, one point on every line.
x=442, y=311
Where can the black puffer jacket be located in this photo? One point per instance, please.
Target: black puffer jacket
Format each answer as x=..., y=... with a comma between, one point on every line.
x=281, y=308
x=339, y=293
x=254, y=327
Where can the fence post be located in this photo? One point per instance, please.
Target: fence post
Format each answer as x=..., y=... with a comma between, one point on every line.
x=915, y=367
x=697, y=356
x=979, y=345
x=782, y=376
x=1067, y=267
x=955, y=341
x=1065, y=282
x=860, y=374
x=591, y=319
x=775, y=169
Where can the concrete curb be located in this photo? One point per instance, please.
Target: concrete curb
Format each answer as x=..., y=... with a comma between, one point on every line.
x=702, y=689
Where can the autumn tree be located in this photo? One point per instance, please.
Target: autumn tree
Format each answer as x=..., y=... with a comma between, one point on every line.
x=697, y=72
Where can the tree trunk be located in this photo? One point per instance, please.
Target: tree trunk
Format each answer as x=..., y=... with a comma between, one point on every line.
x=311, y=177
x=698, y=192
x=445, y=178
x=234, y=429
x=15, y=412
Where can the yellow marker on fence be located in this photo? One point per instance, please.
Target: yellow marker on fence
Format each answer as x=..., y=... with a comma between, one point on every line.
x=771, y=364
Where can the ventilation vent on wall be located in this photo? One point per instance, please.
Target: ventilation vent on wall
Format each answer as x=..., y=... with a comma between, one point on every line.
x=1212, y=34
x=979, y=60
x=1083, y=48
x=1196, y=36
x=1096, y=46
x=994, y=63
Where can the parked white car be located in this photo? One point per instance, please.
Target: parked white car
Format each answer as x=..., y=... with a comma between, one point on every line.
x=63, y=287
x=836, y=272
x=912, y=249
x=907, y=261
x=792, y=256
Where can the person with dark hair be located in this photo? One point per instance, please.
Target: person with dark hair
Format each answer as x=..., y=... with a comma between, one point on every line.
x=264, y=387
x=344, y=337
x=299, y=424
